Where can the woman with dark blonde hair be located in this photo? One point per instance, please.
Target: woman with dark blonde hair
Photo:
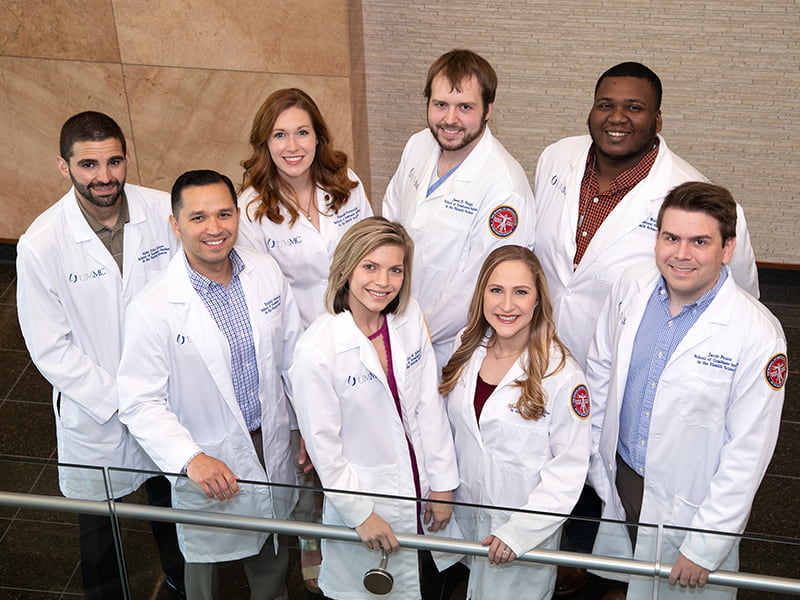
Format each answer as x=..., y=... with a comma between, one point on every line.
x=297, y=196
x=365, y=393
x=519, y=410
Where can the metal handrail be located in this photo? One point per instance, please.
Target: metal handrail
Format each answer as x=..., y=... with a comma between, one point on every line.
x=751, y=581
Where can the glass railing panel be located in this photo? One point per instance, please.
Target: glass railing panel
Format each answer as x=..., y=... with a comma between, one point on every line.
x=39, y=546
x=756, y=556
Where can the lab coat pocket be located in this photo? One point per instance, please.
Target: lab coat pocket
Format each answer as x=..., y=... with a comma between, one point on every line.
x=702, y=400
x=525, y=442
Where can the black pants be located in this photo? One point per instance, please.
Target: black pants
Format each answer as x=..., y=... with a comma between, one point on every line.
x=101, y=564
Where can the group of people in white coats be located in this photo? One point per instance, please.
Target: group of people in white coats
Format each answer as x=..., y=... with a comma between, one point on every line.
x=284, y=342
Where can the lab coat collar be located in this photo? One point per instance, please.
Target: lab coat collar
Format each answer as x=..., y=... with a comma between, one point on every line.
x=637, y=205
x=718, y=314
x=465, y=172
x=348, y=336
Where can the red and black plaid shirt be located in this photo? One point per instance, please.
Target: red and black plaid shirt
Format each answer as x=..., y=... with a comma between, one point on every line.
x=594, y=207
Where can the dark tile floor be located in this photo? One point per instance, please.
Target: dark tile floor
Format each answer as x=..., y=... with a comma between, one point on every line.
x=38, y=549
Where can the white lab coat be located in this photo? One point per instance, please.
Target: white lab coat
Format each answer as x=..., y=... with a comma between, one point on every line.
x=177, y=397
x=625, y=238
x=357, y=441
x=513, y=462
x=303, y=253
x=452, y=228
x=713, y=429
x=71, y=300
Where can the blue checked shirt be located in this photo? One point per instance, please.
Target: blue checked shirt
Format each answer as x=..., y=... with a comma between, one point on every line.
x=656, y=339
x=229, y=309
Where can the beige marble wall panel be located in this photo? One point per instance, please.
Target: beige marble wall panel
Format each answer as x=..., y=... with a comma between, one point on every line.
x=268, y=35
x=192, y=119
x=66, y=29
x=36, y=97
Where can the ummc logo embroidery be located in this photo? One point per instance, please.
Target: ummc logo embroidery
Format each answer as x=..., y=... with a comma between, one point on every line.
x=292, y=241
x=354, y=380
x=89, y=275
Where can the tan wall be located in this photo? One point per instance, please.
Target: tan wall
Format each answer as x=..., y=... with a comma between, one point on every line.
x=183, y=78
x=731, y=74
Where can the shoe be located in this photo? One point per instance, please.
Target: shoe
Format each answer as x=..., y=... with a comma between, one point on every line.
x=616, y=593
x=569, y=580
x=310, y=562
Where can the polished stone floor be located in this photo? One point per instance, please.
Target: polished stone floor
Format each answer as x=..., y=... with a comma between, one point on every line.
x=38, y=550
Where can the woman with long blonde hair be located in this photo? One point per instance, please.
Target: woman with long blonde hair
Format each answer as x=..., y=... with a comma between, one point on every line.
x=365, y=393
x=519, y=409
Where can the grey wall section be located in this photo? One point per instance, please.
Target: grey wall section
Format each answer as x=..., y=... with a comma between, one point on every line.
x=731, y=74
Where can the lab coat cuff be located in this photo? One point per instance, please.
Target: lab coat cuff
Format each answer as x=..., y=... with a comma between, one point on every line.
x=707, y=549
x=353, y=509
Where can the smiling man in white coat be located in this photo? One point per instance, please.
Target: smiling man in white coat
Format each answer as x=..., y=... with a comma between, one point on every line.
x=687, y=373
x=204, y=388
x=458, y=192
x=597, y=197
x=78, y=266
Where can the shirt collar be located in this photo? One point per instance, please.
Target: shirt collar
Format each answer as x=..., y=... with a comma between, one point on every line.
x=703, y=302
x=97, y=226
x=202, y=284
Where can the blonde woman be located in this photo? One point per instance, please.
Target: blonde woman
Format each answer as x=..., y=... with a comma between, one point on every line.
x=519, y=410
x=365, y=388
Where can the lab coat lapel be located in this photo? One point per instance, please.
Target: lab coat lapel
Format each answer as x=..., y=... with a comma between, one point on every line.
x=629, y=316
x=85, y=237
x=349, y=336
x=634, y=209
x=717, y=314
x=210, y=342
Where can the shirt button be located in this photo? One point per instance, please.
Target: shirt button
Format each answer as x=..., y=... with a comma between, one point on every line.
x=653, y=384
x=584, y=234
x=660, y=355
x=643, y=443
x=641, y=470
x=669, y=323
x=596, y=200
x=647, y=414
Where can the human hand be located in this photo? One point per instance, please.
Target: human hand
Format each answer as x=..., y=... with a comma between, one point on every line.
x=303, y=459
x=213, y=476
x=499, y=552
x=377, y=533
x=685, y=572
x=438, y=515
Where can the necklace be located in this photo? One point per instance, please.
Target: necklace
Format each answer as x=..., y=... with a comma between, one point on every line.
x=307, y=211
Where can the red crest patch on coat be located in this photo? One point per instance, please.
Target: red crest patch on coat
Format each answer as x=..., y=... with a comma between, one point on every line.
x=776, y=371
x=580, y=401
x=503, y=221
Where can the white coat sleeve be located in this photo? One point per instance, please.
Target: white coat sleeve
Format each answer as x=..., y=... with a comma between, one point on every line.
x=143, y=380
x=561, y=477
x=292, y=328
x=319, y=416
x=251, y=234
x=391, y=199
x=49, y=339
x=359, y=194
x=743, y=262
x=599, y=362
x=447, y=315
x=752, y=422
x=436, y=437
